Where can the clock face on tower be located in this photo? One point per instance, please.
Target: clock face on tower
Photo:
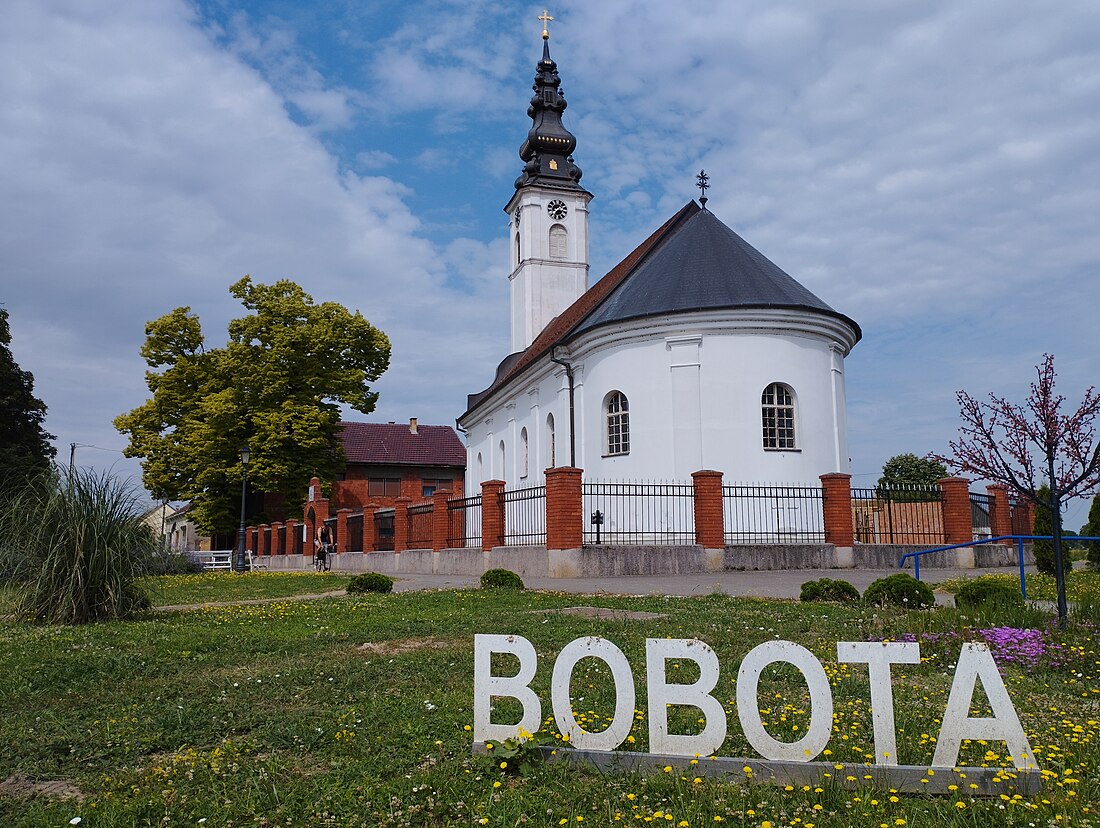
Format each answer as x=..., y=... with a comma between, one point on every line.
x=557, y=209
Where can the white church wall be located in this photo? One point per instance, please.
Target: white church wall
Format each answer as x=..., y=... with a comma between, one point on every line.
x=694, y=386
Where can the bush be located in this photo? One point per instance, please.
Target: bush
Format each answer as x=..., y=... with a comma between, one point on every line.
x=900, y=590
x=1043, y=525
x=501, y=579
x=828, y=589
x=76, y=545
x=370, y=582
x=988, y=592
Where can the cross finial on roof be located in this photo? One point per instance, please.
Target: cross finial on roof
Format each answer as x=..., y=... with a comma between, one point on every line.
x=701, y=181
x=545, y=18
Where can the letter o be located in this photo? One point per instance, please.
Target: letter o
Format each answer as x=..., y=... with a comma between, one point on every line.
x=821, y=701
x=621, y=723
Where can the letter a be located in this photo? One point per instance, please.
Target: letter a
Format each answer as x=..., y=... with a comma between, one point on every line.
x=486, y=685
x=976, y=662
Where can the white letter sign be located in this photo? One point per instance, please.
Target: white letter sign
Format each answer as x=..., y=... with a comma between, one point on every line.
x=878, y=656
x=613, y=657
x=976, y=662
x=697, y=694
x=486, y=685
x=821, y=701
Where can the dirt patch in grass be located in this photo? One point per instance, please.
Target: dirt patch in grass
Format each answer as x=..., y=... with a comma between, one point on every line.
x=607, y=614
x=21, y=786
x=406, y=645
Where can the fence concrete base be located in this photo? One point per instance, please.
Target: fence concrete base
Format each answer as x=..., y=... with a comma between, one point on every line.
x=612, y=561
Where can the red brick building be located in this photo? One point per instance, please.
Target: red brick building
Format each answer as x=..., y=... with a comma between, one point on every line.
x=390, y=460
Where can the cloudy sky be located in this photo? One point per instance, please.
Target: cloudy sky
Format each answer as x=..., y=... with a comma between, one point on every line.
x=930, y=169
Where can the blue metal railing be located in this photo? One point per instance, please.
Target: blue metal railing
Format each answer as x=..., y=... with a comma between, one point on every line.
x=916, y=556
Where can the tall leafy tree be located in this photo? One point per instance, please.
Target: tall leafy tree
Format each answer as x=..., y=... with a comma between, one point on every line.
x=910, y=470
x=1023, y=445
x=24, y=444
x=275, y=386
x=1092, y=529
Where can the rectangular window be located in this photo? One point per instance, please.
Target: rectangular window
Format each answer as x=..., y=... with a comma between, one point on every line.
x=429, y=486
x=384, y=487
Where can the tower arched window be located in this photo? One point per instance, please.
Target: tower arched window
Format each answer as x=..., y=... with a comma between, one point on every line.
x=559, y=242
x=523, y=450
x=617, y=411
x=550, y=440
x=777, y=413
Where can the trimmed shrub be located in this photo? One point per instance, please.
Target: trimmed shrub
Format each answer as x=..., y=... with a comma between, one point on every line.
x=370, y=582
x=501, y=579
x=900, y=590
x=988, y=592
x=75, y=546
x=828, y=589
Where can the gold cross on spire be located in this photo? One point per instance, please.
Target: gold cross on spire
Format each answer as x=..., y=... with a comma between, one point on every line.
x=545, y=18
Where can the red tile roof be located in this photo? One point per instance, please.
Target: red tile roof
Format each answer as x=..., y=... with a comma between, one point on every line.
x=393, y=444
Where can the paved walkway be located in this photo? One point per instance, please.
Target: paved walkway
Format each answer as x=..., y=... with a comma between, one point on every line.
x=781, y=583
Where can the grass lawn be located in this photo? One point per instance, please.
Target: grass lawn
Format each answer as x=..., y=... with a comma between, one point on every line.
x=355, y=712
x=173, y=590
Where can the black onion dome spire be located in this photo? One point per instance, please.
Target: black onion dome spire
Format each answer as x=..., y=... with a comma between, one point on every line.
x=548, y=150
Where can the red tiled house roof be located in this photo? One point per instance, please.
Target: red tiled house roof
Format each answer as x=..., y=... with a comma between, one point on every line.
x=395, y=444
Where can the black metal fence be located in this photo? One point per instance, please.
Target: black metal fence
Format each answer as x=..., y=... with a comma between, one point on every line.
x=981, y=513
x=773, y=514
x=1021, y=517
x=354, y=542
x=898, y=514
x=383, y=530
x=524, y=516
x=464, y=522
x=638, y=513
x=420, y=526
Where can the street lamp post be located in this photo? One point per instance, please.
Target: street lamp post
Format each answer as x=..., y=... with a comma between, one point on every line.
x=240, y=567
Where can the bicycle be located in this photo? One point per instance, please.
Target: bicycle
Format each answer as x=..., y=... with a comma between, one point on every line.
x=322, y=557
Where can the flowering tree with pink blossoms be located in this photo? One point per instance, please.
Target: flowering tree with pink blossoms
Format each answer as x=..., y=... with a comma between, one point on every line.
x=1023, y=446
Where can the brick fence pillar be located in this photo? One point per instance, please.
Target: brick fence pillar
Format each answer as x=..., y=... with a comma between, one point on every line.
x=342, y=541
x=401, y=524
x=836, y=495
x=370, y=528
x=250, y=539
x=1000, y=515
x=958, y=525
x=278, y=547
x=564, y=508
x=1025, y=514
x=492, y=513
x=264, y=540
x=710, y=530
x=440, y=522
x=289, y=543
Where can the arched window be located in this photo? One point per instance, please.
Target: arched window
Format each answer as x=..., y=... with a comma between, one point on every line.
x=559, y=239
x=500, y=456
x=618, y=423
x=480, y=468
x=517, y=250
x=523, y=449
x=550, y=440
x=777, y=411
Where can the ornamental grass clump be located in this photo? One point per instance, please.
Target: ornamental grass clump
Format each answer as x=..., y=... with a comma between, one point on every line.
x=899, y=590
x=829, y=589
x=501, y=579
x=76, y=546
x=370, y=582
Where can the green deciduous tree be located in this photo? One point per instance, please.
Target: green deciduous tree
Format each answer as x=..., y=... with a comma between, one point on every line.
x=910, y=470
x=1043, y=525
x=1092, y=529
x=274, y=386
x=24, y=445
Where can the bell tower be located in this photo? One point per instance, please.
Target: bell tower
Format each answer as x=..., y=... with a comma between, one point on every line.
x=548, y=215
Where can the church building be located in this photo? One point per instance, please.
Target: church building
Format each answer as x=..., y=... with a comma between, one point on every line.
x=694, y=352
